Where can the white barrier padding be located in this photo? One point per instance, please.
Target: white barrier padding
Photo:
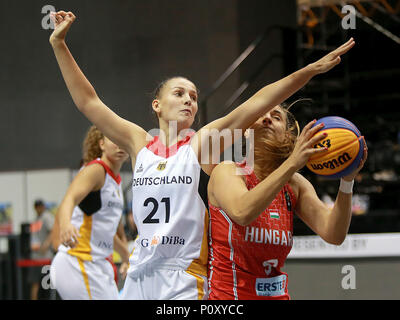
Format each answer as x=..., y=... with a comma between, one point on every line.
x=355, y=246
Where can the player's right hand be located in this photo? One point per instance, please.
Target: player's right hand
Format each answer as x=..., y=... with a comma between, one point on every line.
x=304, y=147
x=69, y=235
x=62, y=22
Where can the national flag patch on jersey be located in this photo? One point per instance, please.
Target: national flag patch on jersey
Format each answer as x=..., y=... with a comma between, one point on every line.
x=274, y=214
x=161, y=166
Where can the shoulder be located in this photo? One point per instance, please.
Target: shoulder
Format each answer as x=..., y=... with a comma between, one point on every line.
x=225, y=173
x=93, y=168
x=94, y=172
x=226, y=168
x=225, y=180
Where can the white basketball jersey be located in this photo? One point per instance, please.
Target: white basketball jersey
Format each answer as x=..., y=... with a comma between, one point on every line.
x=170, y=215
x=97, y=218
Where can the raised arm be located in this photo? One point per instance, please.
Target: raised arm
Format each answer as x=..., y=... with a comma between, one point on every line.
x=272, y=95
x=87, y=180
x=243, y=205
x=125, y=134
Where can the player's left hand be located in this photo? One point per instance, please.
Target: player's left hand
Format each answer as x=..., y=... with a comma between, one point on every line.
x=332, y=59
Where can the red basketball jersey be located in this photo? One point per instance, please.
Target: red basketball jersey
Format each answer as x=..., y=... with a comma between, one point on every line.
x=245, y=261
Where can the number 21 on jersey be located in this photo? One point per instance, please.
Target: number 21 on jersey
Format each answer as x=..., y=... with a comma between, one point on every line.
x=151, y=201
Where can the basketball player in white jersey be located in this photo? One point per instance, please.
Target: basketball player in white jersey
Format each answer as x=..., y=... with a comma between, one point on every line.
x=88, y=218
x=170, y=256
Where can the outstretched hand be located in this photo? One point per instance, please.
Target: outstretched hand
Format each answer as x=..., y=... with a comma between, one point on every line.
x=332, y=59
x=62, y=22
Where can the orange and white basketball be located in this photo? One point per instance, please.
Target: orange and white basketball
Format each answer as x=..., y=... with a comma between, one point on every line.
x=345, y=148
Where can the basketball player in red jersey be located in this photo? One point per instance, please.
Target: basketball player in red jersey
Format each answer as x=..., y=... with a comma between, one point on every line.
x=251, y=222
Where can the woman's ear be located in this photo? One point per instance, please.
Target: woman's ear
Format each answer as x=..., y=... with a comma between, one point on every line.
x=101, y=144
x=156, y=106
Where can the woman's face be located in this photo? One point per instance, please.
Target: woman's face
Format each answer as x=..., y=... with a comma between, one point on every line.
x=112, y=151
x=177, y=102
x=273, y=123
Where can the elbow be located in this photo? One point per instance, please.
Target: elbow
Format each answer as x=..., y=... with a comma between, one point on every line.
x=242, y=222
x=242, y=218
x=335, y=240
x=82, y=104
x=86, y=101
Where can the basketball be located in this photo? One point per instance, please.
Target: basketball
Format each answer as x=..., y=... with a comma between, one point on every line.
x=345, y=148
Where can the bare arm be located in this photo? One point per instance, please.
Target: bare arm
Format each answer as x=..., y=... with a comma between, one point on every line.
x=330, y=224
x=244, y=206
x=87, y=180
x=272, y=95
x=121, y=232
x=333, y=224
x=121, y=246
x=125, y=134
x=55, y=234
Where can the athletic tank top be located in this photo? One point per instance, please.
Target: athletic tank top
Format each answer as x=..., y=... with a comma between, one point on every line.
x=245, y=261
x=170, y=215
x=97, y=218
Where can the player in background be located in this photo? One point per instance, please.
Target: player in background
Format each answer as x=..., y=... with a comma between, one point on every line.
x=88, y=219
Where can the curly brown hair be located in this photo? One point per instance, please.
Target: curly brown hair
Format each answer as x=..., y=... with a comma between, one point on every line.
x=91, y=146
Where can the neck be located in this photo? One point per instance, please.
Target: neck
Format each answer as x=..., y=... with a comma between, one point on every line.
x=114, y=166
x=171, y=132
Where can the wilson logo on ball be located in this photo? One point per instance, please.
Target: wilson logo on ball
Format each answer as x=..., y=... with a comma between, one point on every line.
x=345, y=149
x=332, y=164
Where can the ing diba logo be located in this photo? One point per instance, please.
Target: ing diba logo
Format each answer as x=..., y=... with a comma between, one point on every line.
x=155, y=241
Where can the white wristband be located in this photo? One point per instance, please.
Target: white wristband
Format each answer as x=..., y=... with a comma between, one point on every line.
x=346, y=186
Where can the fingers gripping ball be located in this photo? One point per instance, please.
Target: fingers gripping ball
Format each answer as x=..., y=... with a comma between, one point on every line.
x=345, y=149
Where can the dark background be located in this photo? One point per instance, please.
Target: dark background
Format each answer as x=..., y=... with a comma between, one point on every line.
x=126, y=48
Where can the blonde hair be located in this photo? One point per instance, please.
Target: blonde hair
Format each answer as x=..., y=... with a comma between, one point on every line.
x=270, y=151
x=91, y=146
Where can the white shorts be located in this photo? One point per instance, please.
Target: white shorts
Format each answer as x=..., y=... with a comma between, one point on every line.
x=164, y=283
x=76, y=279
